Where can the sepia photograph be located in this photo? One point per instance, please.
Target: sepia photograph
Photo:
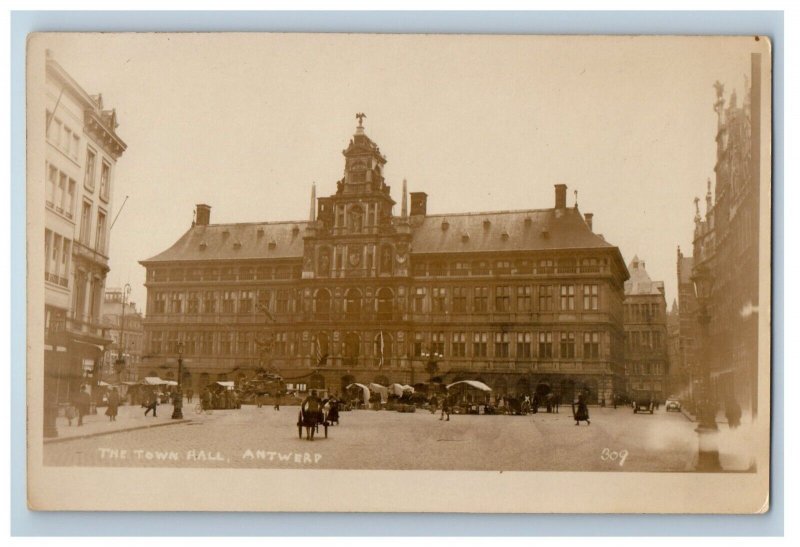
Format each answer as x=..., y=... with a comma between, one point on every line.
x=361, y=272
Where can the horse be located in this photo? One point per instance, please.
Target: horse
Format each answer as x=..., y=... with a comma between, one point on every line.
x=310, y=417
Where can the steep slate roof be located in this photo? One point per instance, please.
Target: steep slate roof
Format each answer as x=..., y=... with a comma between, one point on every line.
x=221, y=242
x=640, y=282
x=506, y=231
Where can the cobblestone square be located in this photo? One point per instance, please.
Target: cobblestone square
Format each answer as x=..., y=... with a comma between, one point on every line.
x=616, y=440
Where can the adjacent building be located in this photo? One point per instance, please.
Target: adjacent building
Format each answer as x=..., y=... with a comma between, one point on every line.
x=81, y=150
x=726, y=244
x=125, y=326
x=525, y=301
x=646, y=361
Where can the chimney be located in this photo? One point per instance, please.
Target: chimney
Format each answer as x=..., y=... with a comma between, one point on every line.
x=419, y=203
x=561, y=196
x=588, y=217
x=203, y=217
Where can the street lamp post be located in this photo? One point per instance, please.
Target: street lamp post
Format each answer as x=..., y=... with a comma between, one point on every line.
x=177, y=410
x=119, y=364
x=707, y=429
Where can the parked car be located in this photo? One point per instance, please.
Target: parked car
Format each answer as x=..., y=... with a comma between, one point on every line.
x=643, y=404
x=673, y=405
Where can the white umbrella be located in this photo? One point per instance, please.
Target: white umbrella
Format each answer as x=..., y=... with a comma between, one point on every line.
x=472, y=383
x=364, y=391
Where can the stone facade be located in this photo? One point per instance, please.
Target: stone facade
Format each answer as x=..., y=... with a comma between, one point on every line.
x=646, y=340
x=525, y=301
x=726, y=244
x=82, y=148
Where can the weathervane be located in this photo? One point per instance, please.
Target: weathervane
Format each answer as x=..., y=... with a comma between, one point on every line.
x=360, y=117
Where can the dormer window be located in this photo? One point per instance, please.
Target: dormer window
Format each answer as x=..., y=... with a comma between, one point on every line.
x=445, y=225
x=237, y=244
x=487, y=224
x=273, y=244
x=260, y=232
x=203, y=245
x=504, y=236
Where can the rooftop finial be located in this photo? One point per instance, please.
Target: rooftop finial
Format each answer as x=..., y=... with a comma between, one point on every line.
x=404, y=203
x=576, y=199
x=360, y=117
x=313, y=213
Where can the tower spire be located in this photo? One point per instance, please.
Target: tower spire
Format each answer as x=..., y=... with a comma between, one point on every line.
x=313, y=212
x=404, y=204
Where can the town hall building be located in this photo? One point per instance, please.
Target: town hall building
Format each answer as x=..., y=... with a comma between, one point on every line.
x=525, y=301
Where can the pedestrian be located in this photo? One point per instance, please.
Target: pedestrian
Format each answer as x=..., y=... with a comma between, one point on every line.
x=113, y=405
x=70, y=413
x=445, y=408
x=82, y=403
x=277, y=400
x=733, y=412
x=434, y=404
x=208, y=400
x=556, y=402
x=152, y=403
x=581, y=413
x=189, y=395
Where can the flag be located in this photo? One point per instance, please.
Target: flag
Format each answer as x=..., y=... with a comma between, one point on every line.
x=380, y=364
x=317, y=351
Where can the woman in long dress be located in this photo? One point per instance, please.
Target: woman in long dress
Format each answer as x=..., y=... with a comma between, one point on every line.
x=582, y=411
x=113, y=405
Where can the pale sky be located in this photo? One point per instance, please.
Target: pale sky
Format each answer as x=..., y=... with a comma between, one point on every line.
x=245, y=123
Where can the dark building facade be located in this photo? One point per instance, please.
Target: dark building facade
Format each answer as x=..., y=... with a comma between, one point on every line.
x=646, y=340
x=726, y=244
x=525, y=301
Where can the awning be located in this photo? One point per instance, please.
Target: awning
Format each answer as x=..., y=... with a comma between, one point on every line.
x=170, y=383
x=472, y=383
x=153, y=381
x=226, y=384
x=101, y=383
x=364, y=391
x=400, y=389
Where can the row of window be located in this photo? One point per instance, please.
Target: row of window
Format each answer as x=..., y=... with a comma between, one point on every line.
x=245, y=273
x=642, y=312
x=503, y=298
x=62, y=136
x=57, y=254
x=542, y=345
x=644, y=369
x=545, y=266
x=60, y=191
x=644, y=340
x=66, y=140
x=479, y=267
x=455, y=299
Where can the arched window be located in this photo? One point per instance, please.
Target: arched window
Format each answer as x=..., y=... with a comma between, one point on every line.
x=352, y=348
x=322, y=305
x=317, y=381
x=352, y=304
x=385, y=303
